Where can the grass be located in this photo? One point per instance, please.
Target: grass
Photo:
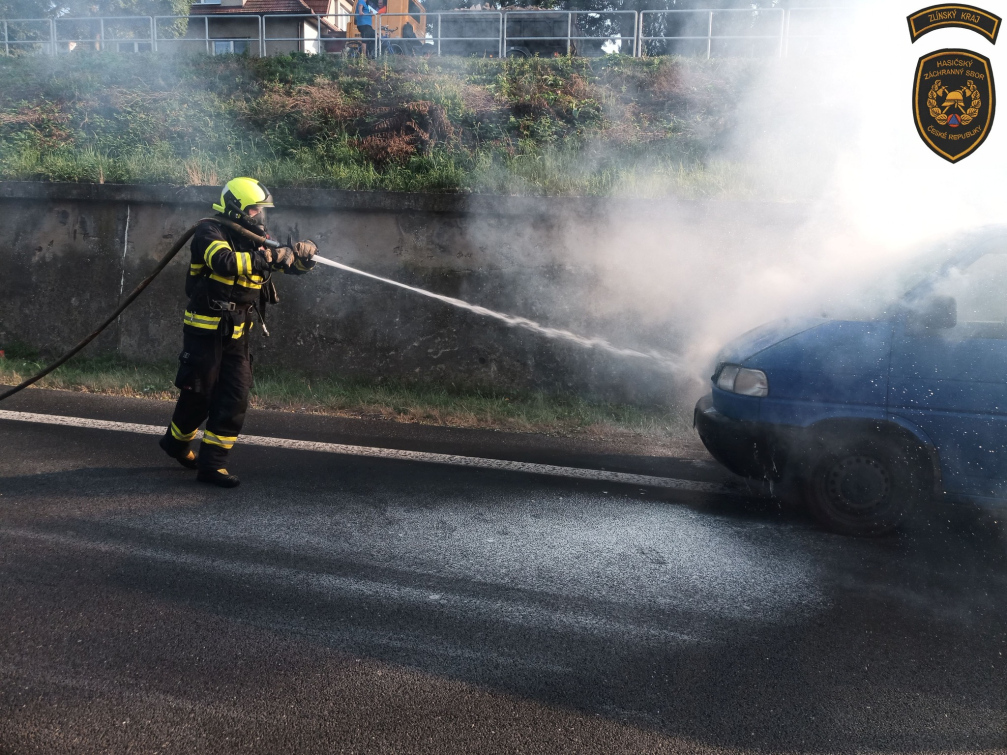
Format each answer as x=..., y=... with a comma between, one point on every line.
x=425, y=404
x=568, y=126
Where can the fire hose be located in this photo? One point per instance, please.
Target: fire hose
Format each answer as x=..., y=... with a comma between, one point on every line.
x=666, y=362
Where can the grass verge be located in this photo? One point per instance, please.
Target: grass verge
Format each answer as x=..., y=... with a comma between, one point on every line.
x=425, y=404
x=565, y=126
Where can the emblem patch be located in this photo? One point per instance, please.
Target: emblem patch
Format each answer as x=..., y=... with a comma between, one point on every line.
x=952, y=14
x=953, y=102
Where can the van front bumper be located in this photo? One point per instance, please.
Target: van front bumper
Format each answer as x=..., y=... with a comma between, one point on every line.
x=749, y=449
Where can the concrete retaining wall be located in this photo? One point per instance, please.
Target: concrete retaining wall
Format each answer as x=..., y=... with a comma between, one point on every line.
x=594, y=266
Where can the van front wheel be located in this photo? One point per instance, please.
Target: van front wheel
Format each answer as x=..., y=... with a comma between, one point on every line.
x=864, y=488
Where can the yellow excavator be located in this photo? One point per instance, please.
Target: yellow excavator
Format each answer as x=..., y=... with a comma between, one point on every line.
x=403, y=27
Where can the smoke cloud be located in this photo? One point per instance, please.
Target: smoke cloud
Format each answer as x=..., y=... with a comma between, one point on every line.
x=842, y=199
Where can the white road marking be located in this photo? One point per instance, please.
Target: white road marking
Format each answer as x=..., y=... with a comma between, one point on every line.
x=670, y=483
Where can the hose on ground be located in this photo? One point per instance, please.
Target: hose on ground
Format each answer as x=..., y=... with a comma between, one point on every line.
x=163, y=263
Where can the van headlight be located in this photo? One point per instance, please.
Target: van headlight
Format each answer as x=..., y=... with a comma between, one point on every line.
x=741, y=380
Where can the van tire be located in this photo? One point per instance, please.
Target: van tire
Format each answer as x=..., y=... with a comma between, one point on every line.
x=865, y=487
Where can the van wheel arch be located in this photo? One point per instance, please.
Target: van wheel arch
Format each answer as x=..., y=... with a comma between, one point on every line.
x=820, y=436
x=840, y=456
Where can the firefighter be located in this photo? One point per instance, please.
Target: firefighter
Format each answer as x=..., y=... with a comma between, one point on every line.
x=228, y=274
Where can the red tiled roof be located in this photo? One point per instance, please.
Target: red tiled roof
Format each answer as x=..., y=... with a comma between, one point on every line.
x=318, y=6
x=253, y=6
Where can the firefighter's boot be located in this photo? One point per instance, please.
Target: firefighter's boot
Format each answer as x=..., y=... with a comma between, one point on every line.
x=219, y=477
x=178, y=450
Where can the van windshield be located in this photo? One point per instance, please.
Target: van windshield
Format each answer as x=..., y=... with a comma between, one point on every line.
x=977, y=288
x=949, y=265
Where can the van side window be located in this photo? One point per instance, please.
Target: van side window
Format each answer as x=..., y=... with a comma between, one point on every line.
x=980, y=290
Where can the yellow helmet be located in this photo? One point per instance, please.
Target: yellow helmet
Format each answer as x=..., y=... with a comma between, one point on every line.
x=239, y=194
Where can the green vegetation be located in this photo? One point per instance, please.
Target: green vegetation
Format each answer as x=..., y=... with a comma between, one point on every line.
x=426, y=404
x=639, y=127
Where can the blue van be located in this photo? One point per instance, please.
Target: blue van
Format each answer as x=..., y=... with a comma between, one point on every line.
x=865, y=419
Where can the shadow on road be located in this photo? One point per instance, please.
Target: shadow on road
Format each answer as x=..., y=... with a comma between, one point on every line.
x=891, y=644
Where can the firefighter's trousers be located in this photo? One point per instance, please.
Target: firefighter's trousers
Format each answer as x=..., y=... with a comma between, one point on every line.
x=215, y=376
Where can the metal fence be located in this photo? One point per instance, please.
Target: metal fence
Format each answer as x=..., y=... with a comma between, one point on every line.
x=706, y=32
x=506, y=33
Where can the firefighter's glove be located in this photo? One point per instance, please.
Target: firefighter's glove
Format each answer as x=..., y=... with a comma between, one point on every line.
x=263, y=260
x=305, y=253
x=282, y=258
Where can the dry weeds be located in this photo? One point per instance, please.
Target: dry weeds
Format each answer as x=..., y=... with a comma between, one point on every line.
x=314, y=108
x=200, y=174
x=399, y=132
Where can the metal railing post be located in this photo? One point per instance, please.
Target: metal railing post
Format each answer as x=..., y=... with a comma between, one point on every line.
x=52, y=36
x=709, y=37
x=569, y=30
x=262, y=36
x=153, y=34
x=503, y=35
x=206, y=31
x=101, y=35
x=637, y=31
x=783, y=31
x=439, y=35
x=6, y=40
x=785, y=52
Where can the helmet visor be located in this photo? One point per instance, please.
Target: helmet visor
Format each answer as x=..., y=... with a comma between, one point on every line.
x=256, y=214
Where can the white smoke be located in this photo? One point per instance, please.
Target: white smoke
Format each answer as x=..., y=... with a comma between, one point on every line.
x=830, y=137
x=842, y=122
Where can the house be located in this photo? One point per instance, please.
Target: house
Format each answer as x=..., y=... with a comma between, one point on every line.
x=276, y=27
x=264, y=27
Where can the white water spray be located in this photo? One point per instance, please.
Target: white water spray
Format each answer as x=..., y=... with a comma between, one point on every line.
x=666, y=362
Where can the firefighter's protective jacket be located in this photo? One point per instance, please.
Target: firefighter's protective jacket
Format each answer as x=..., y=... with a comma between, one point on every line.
x=226, y=273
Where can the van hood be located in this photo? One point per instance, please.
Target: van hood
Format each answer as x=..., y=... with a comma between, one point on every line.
x=751, y=343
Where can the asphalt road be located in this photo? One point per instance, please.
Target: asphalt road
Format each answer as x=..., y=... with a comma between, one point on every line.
x=335, y=604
